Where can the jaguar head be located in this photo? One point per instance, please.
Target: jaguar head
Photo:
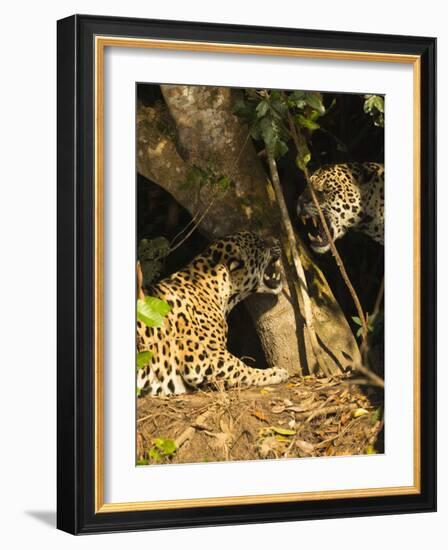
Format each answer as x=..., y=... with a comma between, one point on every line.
x=251, y=262
x=340, y=200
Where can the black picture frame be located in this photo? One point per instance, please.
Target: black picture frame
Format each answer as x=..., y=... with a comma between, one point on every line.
x=76, y=273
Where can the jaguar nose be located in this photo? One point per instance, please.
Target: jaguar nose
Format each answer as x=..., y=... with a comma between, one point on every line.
x=273, y=244
x=276, y=252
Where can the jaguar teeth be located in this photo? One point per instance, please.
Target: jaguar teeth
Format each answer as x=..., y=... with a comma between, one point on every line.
x=303, y=219
x=311, y=237
x=314, y=221
x=319, y=238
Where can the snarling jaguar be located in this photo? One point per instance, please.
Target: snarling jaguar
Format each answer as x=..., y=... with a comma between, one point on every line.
x=190, y=350
x=351, y=196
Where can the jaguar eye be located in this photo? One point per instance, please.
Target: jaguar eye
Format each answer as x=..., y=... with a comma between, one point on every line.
x=234, y=265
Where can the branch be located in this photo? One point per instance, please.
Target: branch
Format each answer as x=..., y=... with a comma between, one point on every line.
x=307, y=306
x=298, y=139
x=198, y=217
x=140, y=293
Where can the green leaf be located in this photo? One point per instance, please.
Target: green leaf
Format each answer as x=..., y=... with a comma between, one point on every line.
x=278, y=104
x=280, y=149
x=244, y=109
x=151, y=254
x=152, y=311
x=155, y=455
x=196, y=177
x=302, y=159
x=370, y=450
x=373, y=102
x=224, y=182
x=359, y=412
x=281, y=438
x=376, y=415
x=297, y=99
x=255, y=132
x=143, y=358
x=374, y=106
x=142, y=462
x=357, y=320
x=314, y=100
x=306, y=122
x=283, y=431
x=268, y=131
x=262, y=108
x=166, y=446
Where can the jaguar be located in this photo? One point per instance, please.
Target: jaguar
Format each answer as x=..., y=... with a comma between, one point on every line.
x=351, y=196
x=189, y=351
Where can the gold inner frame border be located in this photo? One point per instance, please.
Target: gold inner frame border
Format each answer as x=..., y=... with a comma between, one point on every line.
x=101, y=42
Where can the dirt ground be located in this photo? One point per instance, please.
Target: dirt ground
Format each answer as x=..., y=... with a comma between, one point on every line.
x=305, y=417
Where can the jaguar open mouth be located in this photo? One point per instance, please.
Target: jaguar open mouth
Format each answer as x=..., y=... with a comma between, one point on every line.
x=272, y=279
x=315, y=232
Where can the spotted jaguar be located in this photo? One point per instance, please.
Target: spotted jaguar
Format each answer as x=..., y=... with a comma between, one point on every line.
x=351, y=196
x=190, y=350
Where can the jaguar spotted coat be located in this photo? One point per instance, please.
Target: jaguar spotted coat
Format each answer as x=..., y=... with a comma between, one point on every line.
x=190, y=350
x=351, y=196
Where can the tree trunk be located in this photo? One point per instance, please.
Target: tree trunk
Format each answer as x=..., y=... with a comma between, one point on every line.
x=199, y=129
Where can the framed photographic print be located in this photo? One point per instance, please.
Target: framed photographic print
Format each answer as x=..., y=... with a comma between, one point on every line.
x=246, y=274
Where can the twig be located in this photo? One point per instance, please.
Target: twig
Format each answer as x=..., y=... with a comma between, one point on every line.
x=379, y=299
x=329, y=410
x=196, y=224
x=374, y=378
x=192, y=221
x=197, y=218
x=376, y=308
x=363, y=351
x=339, y=434
x=297, y=139
x=140, y=293
x=190, y=431
x=307, y=306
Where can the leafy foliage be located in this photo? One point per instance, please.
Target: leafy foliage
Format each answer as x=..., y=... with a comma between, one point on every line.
x=374, y=106
x=369, y=321
x=265, y=111
x=162, y=449
x=151, y=254
x=377, y=415
x=267, y=114
x=143, y=359
x=152, y=311
x=198, y=177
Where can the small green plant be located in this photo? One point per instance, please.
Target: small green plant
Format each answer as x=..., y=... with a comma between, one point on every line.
x=143, y=358
x=377, y=415
x=198, y=177
x=267, y=112
x=152, y=311
x=151, y=254
x=374, y=106
x=162, y=449
x=370, y=320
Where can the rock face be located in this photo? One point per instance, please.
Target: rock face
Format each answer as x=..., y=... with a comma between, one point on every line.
x=197, y=128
